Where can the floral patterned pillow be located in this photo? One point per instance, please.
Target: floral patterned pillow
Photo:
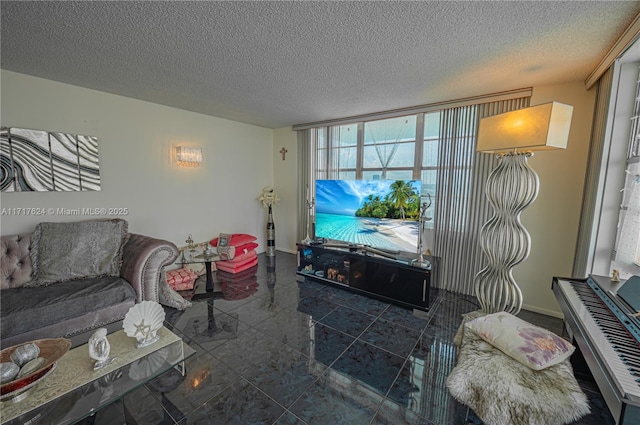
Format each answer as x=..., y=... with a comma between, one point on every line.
x=181, y=279
x=531, y=345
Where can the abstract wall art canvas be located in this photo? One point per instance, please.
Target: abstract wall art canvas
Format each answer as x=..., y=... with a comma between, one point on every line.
x=36, y=160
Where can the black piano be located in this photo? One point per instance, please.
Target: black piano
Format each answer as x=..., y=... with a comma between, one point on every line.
x=602, y=319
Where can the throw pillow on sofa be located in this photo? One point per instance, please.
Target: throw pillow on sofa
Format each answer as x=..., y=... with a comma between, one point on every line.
x=76, y=250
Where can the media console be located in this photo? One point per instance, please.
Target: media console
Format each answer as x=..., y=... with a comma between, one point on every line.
x=355, y=269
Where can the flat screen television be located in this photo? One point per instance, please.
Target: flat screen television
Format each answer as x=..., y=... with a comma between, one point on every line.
x=381, y=214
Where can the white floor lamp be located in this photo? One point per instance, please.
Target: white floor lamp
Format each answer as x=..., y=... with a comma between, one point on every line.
x=512, y=187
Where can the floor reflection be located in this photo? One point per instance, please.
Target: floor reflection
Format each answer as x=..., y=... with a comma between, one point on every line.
x=274, y=348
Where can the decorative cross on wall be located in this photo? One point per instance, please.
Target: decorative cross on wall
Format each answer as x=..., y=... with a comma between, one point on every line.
x=283, y=151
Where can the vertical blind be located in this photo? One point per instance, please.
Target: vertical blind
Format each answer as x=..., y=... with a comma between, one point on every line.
x=462, y=207
x=306, y=154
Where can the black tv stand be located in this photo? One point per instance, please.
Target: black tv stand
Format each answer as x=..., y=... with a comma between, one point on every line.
x=368, y=271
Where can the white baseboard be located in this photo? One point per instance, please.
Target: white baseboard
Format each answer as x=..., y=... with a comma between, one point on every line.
x=552, y=313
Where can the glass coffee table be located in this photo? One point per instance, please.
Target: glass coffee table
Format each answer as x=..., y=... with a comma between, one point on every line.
x=74, y=391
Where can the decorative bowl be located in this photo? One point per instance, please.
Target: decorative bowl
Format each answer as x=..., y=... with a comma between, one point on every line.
x=51, y=349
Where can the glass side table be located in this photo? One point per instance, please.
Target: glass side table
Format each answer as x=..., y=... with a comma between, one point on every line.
x=199, y=256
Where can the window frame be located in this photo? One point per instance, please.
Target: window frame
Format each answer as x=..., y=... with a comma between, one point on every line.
x=415, y=169
x=328, y=147
x=613, y=173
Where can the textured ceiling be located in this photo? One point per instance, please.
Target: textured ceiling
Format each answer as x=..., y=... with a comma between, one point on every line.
x=275, y=64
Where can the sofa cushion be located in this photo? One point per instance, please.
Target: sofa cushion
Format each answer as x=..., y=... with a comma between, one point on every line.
x=16, y=262
x=24, y=309
x=237, y=239
x=77, y=250
x=238, y=267
x=243, y=249
x=238, y=259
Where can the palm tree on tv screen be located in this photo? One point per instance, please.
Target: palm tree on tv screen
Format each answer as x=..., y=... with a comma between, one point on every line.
x=373, y=207
x=401, y=191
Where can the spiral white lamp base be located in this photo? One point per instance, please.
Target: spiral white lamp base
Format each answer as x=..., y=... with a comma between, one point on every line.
x=511, y=187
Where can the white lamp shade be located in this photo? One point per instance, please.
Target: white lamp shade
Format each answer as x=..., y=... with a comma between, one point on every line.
x=539, y=127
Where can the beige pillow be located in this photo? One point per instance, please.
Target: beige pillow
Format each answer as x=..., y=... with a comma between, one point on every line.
x=531, y=345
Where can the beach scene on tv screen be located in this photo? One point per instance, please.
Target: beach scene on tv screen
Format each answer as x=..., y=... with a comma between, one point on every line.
x=381, y=214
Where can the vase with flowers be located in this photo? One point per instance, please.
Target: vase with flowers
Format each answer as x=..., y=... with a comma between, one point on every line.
x=269, y=199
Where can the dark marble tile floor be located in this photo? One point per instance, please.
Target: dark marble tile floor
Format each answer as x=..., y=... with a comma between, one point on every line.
x=300, y=352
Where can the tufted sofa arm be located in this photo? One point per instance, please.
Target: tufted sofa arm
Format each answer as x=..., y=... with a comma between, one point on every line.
x=143, y=261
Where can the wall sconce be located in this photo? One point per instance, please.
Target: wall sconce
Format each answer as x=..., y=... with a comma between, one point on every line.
x=187, y=156
x=512, y=187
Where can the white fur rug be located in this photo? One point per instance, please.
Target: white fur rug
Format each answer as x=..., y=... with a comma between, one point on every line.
x=503, y=391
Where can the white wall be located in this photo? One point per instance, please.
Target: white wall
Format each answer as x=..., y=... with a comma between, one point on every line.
x=553, y=219
x=239, y=160
x=285, y=181
x=134, y=139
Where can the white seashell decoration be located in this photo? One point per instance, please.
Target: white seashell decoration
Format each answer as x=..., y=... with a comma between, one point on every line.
x=142, y=322
x=99, y=349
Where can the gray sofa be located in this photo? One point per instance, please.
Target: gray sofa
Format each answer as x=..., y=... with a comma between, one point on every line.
x=74, y=308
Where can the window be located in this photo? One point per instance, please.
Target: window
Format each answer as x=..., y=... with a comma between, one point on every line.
x=627, y=249
x=430, y=152
x=400, y=148
x=337, y=152
x=389, y=148
x=321, y=153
